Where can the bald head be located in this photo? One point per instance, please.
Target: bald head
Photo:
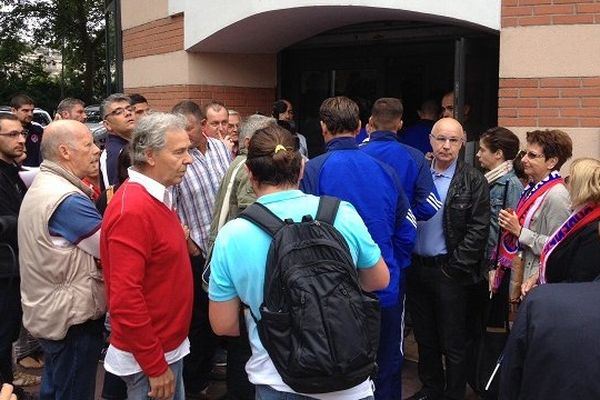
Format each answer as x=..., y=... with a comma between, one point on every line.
x=447, y=125
x=70, y=144
x=62, y=132
x=447, y=137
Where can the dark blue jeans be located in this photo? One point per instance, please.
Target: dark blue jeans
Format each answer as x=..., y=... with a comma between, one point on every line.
x=71, y=363
x=390, y=355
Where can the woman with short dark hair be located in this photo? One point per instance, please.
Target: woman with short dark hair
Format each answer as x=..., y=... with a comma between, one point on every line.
x=544, y=205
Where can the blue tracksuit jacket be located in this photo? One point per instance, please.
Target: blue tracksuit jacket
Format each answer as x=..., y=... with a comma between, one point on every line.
x=376, y=192
x=412, y=169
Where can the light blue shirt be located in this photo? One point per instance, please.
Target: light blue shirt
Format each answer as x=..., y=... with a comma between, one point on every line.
x=238, y=266
x=430, y=234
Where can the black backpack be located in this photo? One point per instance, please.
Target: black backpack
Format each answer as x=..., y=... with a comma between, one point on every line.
x=320, y=329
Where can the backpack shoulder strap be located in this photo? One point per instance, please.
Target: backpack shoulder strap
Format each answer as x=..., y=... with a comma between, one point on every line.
x=328, y=208
x=264, y=218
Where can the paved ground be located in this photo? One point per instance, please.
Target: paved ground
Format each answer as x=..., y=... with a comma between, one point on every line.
x=410, y=381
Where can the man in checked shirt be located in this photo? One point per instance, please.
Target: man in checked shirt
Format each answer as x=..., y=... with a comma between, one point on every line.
x=195, y=199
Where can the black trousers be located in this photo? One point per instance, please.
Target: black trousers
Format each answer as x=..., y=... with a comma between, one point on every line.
x=238, y=354
x=203, y=342
x=10, y=309
x=438, y=307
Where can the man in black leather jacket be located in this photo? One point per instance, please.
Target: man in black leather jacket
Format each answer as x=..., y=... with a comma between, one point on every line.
x=447, y=264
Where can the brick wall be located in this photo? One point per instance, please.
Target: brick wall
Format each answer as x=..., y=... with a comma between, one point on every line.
x=243, y=99
x=549, y=102
x=549, y=12
x=161, y=36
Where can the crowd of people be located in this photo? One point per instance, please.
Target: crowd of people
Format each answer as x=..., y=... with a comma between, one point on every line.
x=150, y=253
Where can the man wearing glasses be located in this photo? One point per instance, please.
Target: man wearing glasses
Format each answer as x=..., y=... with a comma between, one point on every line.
x=22, y=106
x=446, y=264
x=119, y=120
x=12, y=190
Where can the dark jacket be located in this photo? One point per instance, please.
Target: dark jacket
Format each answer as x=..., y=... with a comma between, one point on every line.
x=466, y=224
x=12, y=190
x=553, y=348
x=32, y=144
x=576, y=258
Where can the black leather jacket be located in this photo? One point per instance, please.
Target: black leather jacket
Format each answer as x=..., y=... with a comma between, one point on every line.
x=466, y=224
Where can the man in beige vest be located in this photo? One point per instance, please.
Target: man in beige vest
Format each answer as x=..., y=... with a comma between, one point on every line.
x=62, y=289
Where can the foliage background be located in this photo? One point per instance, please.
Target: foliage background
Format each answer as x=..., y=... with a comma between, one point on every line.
x=76, y=28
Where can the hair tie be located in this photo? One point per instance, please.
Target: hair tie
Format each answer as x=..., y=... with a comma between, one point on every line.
x=279, y=148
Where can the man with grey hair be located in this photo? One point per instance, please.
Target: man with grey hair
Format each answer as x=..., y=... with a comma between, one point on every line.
x=119, y=120
x=71, y=108
x=234, y=195
x=146, y=265
x=61, y=285
x=195, y=200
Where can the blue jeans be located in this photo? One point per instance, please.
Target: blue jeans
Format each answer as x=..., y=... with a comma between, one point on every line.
x=71, y=363
x=138, y=384
x=264, y=392
x=390, y=355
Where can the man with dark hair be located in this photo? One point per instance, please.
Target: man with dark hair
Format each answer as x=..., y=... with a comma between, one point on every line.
x=412, y=169
x=447, y=262
x=195, y=200
x=12, y=190
x=71, y=108
x=139, y=104
x=284, y=111
x=216, y=120
x=417, y=135
x=22, y=106
x=119, y=119
x=376, y=191
x=472, y=127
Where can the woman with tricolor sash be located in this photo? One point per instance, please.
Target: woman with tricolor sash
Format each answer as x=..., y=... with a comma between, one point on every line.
x=544, y=204
x=572, y=253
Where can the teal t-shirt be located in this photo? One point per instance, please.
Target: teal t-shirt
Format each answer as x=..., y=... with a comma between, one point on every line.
x=239, y=259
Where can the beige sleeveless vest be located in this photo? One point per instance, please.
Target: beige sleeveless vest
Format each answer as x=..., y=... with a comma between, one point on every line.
x=61, y=285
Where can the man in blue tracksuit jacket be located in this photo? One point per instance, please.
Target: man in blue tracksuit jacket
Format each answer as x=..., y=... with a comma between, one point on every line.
x=376, y=192
x=415, y=175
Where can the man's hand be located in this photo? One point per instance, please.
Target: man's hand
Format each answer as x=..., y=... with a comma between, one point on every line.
x=162, y=387
x=7, y=392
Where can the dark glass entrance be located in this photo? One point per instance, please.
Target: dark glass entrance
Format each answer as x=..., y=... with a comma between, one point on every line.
x=410, y=60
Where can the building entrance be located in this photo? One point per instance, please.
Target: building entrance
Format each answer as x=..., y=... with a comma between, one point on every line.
x=410, y=60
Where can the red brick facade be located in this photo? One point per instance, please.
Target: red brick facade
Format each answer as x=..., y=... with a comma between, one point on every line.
x=157, y=37
x=244, y=100
x=546, y=102
x=549, y=12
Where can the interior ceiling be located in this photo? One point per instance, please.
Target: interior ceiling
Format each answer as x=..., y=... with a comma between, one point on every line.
x=270, y=32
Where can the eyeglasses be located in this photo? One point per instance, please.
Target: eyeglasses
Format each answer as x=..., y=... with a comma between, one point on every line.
x=532, y=156
x=15, y=134
x=454, y=141
x=120, y=111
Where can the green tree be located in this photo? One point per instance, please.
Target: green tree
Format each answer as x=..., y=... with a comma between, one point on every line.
x=76, y=28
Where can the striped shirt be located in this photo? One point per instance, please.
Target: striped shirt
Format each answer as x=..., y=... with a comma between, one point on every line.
x=195, y=195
